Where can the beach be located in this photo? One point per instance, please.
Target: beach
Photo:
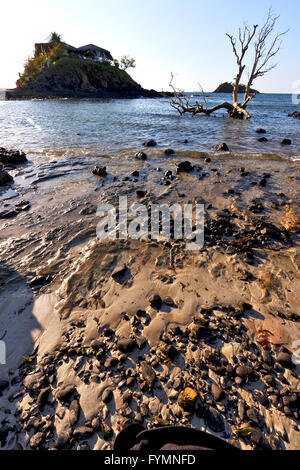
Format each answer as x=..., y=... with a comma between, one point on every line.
x=120, y=331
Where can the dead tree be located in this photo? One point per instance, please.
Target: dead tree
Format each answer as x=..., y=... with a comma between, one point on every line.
x=266, y=44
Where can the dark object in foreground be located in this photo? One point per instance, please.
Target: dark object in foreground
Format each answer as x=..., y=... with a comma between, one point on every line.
x=286, y=142
x=150, y=143
x=141, y=156
x=135, y=437
x=13, y=157
x=100, y=171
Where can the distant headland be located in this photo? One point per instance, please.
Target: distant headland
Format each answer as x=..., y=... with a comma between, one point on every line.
x=59, y=70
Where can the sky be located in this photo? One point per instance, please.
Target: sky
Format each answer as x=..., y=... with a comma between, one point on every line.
x=183, y=37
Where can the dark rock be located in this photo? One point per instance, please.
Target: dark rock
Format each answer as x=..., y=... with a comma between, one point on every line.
x=8, y=214
x=97, y=345
x=285, y=359
x=222, y=147
x=169, y=302
x=141, y=156
x=148, y=374
x=261, y=131
x=286, y=142
x=263, y=183
x=170, y=352
x=214, y=420
x=243, y=371
x=155, y=301
x=4, y=384
x=107, y=395
x=295, y=115
x=208, y=160
x=127, y=397
x=5, y=178
x=126, y=345
x=119, y=272
x=253, y=416
x=40, y=281
x=184, y=167
x=141, y=341
x=169, y=152
x=135, y=174
x=263, y=139
x=13, y=157
x=141, y=194
x=217, y=392
x=100, y=171
x=43, y=398
x=66, y=393
x=150, y=143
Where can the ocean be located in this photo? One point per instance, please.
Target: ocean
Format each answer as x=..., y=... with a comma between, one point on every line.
x=66, y=128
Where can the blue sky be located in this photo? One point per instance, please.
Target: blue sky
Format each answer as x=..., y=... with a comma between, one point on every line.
x=186, y=37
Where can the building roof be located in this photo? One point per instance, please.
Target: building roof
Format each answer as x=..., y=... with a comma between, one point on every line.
x=92, y=47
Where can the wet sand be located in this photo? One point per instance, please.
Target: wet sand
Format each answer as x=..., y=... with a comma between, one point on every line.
x=225, y=325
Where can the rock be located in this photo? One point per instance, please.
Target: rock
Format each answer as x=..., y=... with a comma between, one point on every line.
x=107, y=395
x=263, y=183
x=83, y=432
x=119, y=272
x=8, y=214
x=5, y=178
x=295, y=115
x=184, y=167
x=169, y=152
x=74, y=412
x=62, y=440
x=169, y=302
x=150, y=143
x=284, y=359
x=43, y=398
x=222, y=147
x=65, y=394
x=40, y=281
x=170, y=352
x=141, y=194
x=4, y=384
x=13, y=157
x=127, y=397
x=253, y=416
x=217, y=392
x=97, y=345
x=155, y=301
x=261, y=131
x=214, y=420
x=100, y=171
x=126, y=345
x=243, y=371
x=135, y=174
x=187, y=399
x=148, y=375
x=263, y=139
x=141, y=342
x=110, y=362
x=141, y=156
x=37, y=440
x=34, y=382
x=286, y=142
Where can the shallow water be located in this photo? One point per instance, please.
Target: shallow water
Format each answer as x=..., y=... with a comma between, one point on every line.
x=61, y=128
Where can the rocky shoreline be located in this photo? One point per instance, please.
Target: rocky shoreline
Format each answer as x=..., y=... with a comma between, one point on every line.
x=145, y=331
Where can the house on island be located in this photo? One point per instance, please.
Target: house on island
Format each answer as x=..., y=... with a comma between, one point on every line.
x=89, y=52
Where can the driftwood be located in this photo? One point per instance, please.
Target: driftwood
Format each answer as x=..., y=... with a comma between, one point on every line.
x=266, y=46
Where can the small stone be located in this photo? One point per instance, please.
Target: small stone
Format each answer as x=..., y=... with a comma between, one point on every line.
x=263, y=139
x=155, y=301
x=184, y=167
x=169, y=302
x=214, y=420
x=261, y=131
x=110, y=362
x=43, y=398
x=100, y=171
x=37, y=440
x=4, y=384
x=222, y=147
x=187, y=399
x=217, y=392
x=83, y=432
x=243, y=371
x=253, y=416
x=284, y=359
x=141, y=156
x=126, y=345
x=148, y=374
x=107, y=395
x=64, y=394
x=141, y=342
x=169, y=152
x=150, y=143
x=286, y=142
x=74, y=412
x=141, y=194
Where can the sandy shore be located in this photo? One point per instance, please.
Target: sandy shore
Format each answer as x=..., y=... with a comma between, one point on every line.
x=103, y=350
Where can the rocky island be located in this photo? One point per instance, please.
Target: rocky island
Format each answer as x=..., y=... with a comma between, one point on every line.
x=227, y=87
x=58, y=70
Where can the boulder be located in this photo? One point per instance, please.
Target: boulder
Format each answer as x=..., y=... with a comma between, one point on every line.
x=261, y=131
x=100, y=171
x=13, y=157
x=5, y=177
x=184, y=167
x=286, y=142
x=150, y=143
x=141, y=156
x=222, y=147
